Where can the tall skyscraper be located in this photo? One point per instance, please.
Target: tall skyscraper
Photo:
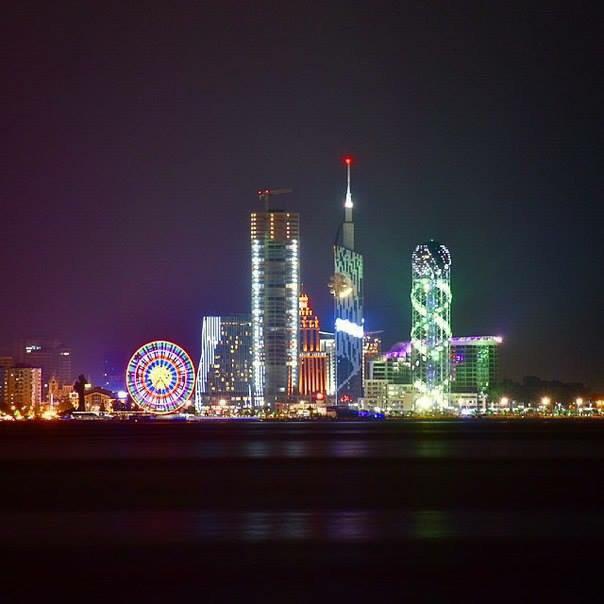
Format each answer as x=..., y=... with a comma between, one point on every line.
x=313, y=362
x=225, y=367
x=347, y=289
x=431, y=324
x=51, y=356
x=275, y=237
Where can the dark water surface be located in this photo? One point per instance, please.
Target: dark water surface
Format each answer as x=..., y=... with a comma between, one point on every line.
x=296, y=511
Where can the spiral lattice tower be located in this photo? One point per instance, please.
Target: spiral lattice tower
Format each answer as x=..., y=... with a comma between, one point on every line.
x=431, y=324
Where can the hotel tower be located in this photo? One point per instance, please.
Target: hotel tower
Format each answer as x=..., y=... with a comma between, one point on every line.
x=313, y=361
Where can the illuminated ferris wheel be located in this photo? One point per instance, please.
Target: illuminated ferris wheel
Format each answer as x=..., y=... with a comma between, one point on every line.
x=160, y=377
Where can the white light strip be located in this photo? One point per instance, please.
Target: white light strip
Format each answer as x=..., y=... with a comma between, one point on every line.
x=356, y=331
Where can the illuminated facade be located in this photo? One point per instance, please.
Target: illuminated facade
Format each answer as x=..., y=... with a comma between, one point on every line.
x=474, y=364
x=372, y=350
x=431, y=324
x=389, y=384
x=388, y=396
x=6, y=362
x=275, y=237
x=22, y=390
x=328, y=346
x=99, y=400
x=347, y=289
x=313, y=362
x=391, y=370
x=225, y=367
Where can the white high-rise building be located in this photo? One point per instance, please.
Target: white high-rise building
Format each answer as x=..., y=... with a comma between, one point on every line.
x=275, y=248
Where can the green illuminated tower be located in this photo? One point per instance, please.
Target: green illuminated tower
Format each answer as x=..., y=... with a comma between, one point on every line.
x=431, y=324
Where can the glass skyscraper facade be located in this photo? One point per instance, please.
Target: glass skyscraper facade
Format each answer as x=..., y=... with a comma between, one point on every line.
x=474, y=364
x=225, y=366
x=275, y=250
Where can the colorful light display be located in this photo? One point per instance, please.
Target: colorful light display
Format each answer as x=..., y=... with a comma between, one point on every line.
x=431, y=324
x=160, y=377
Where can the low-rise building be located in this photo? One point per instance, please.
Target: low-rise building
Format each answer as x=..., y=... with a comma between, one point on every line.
x=389, y=386
x=99, y=400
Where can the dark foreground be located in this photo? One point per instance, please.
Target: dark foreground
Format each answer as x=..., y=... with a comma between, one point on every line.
x=435, y=511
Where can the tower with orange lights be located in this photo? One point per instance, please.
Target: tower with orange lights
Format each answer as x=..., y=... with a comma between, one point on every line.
x=275, y=251
x=347, y=289
x=313, y=362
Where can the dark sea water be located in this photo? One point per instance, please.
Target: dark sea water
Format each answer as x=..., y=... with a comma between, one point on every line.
x=336, y=511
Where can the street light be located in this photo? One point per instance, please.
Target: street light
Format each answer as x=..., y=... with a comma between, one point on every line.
x=545, y=401
x=504, y=402
x=578, y=403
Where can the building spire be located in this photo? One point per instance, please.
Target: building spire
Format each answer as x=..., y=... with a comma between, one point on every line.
x=348, y=225
x=348, y=202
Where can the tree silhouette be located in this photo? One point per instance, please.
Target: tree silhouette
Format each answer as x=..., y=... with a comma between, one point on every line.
x=80, y=387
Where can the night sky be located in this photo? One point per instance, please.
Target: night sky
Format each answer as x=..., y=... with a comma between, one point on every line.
x=136, y=134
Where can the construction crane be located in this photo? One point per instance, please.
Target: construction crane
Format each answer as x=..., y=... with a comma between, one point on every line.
x=264, y=195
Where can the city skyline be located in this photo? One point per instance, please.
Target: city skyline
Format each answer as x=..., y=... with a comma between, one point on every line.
x=301, y=302
x=97, y=371
x=127, y=203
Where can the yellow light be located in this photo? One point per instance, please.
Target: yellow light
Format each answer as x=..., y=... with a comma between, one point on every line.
x=545, y=401
x=423, y=403
x=160, y=377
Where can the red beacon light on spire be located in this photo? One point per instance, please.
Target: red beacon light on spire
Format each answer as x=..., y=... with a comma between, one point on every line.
x=348, y=160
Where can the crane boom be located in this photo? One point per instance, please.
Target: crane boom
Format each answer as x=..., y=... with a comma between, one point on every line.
x=265, y=195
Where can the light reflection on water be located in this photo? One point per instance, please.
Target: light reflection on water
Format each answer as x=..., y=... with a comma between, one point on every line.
x=338, y=448
x=342, y=526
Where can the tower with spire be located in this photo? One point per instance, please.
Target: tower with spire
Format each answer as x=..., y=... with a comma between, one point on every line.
x=347, y=289
x=348, y=225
